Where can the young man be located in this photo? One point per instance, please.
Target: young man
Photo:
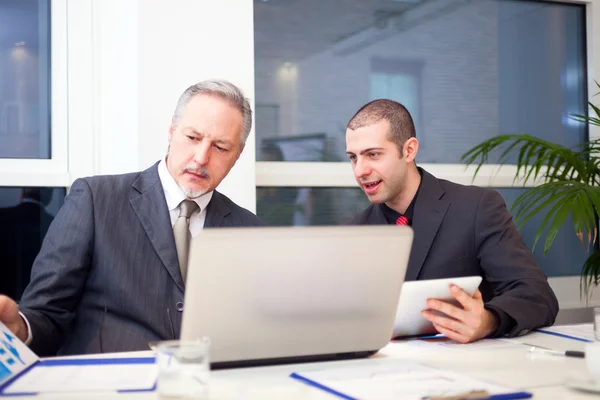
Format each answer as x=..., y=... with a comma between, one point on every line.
x=458, y=231
x=111, y=272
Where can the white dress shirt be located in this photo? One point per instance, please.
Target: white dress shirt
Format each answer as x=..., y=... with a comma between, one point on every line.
x=174, y=196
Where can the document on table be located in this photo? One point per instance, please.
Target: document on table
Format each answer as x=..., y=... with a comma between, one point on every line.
x=437, y=343
x=408, y=381
x=85, y=378
x=22, y=372
x=582, y=332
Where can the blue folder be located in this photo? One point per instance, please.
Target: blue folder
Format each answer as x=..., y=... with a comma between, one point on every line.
x=503, y=396
x=16, y=360
x=73, y=362
x=563, y=335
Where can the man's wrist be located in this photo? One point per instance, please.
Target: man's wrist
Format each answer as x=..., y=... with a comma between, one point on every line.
x=493, y=323
x=24, y=329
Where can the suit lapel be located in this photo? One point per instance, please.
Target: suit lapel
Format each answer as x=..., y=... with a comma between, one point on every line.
x=151, y=209
x=430, y=209
x=216, y=211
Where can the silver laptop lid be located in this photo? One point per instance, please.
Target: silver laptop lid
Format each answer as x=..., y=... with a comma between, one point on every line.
x=263, y=293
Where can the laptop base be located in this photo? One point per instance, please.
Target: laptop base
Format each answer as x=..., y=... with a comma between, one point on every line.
x=291, y=360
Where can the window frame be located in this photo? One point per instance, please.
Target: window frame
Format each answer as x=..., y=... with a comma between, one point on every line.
x=52, y=171
x=339, y=174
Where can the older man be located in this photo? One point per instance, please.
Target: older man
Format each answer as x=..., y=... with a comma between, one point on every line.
x=111, y=272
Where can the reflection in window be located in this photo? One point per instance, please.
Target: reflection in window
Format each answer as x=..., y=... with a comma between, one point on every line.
x=398, y=80
x=25, y=215
x=480, y=68
x=25, y=79
x=565, y=257
x=297, y=148
x=287, y=206
x=290, y=206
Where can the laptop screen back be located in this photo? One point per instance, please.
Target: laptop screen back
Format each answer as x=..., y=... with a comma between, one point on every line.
x=263, y=293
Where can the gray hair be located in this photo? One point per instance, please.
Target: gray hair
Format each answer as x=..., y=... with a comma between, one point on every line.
x=225, y=90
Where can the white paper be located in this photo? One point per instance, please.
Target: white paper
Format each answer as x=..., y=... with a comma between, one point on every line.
x=15, y=356
x=85, y=378
x=409, y=381
x=581, y=331
x=441, y=342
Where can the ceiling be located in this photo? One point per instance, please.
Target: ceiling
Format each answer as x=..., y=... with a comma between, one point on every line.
x=290, y=30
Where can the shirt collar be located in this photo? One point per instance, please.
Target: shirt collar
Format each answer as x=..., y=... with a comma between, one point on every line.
x=173, y=193
x=392, y=215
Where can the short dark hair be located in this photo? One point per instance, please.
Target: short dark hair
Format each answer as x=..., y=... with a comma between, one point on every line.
x=402, y=126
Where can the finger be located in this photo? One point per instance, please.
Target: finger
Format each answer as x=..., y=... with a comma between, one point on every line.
x=4, y=305
x=451, y=334
x=8, y=308
x=447, y=308
x=478, y=296
x=464, y=299
x=448, y=323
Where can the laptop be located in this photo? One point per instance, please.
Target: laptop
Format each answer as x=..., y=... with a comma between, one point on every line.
x=286, y=295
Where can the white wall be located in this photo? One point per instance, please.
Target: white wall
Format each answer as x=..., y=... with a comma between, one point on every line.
x=135, y=58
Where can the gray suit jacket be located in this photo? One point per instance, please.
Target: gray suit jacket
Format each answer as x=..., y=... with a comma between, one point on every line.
x=467, y=230
x=107, y=277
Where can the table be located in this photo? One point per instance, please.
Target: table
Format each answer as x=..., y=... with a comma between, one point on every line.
x=504, y=363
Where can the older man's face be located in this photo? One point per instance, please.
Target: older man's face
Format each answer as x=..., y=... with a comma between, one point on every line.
x=204, y=144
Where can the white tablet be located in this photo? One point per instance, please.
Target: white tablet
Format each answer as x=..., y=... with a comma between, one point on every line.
x=413, y=300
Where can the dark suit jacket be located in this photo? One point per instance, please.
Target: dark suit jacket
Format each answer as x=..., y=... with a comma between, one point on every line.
x=467, y=230
x=107, y=277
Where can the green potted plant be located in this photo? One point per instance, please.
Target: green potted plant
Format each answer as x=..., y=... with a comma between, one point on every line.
x=570, y=185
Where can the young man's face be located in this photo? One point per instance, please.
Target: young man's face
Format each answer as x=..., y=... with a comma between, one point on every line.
x=204, y=144
x=378, y=166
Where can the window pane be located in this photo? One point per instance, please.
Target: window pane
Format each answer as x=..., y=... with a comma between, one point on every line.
x=467, y=71
x=25, y=215
x=336, y=206
x=279, y=206
x=566, y=256
x=24, y=79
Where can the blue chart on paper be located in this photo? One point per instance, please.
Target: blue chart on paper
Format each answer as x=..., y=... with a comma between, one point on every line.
x=9, y=355
x=6, y=343
x=4, y=371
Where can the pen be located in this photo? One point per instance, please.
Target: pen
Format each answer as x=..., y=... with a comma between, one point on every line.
x=510, y=396
x=482, y=395
x=568, y=353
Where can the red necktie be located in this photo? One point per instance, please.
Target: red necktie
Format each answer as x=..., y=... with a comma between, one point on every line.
x=402, y=220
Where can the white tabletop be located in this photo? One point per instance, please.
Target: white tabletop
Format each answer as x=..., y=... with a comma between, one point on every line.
x=507, y=364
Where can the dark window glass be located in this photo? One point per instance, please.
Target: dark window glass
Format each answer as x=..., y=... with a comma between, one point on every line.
x=336, y=206
x=25, y=79
x=25, y=215
x=567, y=254
x=309, y=205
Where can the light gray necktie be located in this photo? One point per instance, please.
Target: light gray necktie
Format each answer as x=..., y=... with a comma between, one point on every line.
x=181, y=231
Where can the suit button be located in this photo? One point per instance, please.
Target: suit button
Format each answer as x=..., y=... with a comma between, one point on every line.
x=179, y=306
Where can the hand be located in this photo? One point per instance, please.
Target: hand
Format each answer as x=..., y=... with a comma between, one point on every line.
x=468, y=324
x=9, y=315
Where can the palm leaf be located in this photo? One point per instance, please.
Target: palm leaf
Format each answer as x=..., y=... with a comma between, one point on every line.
x=534, y=154
x=570, y=185
x=566, y=197
x=590, y=273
